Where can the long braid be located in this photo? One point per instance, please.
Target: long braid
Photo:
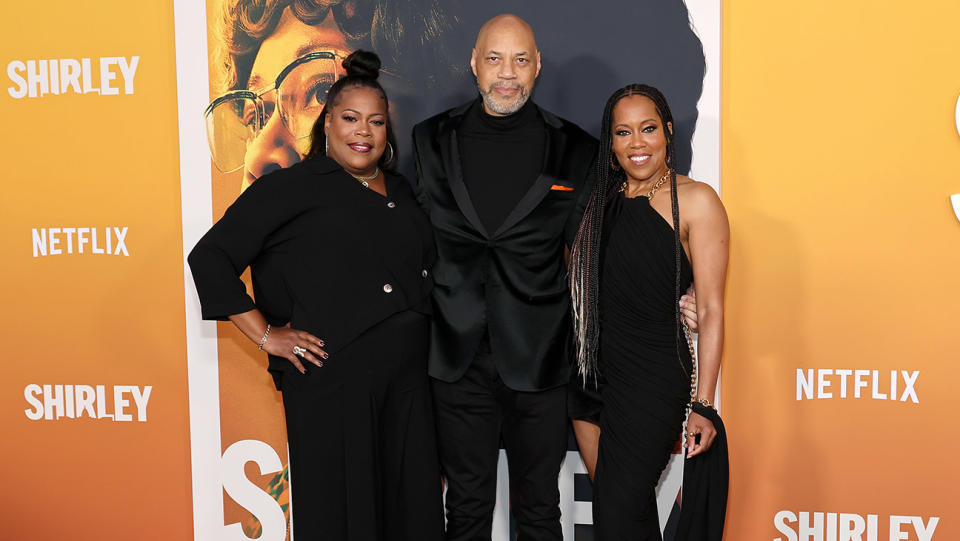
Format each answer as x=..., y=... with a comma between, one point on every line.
x=677, y=249
x=585, y=253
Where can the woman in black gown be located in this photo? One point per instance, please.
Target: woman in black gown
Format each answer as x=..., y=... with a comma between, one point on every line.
x=646, y=233
x=339, y=249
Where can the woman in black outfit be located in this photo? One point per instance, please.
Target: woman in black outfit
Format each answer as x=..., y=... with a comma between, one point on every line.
x=340, y=256
x=646, y=234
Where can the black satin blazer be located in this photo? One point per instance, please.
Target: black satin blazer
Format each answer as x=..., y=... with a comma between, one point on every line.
x=326, y=254
x=511, y=281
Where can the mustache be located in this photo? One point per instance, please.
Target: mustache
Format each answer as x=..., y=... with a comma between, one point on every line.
x=508, y=85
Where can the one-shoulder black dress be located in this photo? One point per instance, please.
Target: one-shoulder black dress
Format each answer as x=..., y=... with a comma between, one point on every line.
x=645, y=381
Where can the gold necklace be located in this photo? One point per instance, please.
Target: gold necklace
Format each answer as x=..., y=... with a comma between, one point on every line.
x=366, y=180
x=653, y=191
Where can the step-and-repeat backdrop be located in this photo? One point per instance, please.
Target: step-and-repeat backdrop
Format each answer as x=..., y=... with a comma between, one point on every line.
x=93, y=399
x=840, y=154
x=127, y=417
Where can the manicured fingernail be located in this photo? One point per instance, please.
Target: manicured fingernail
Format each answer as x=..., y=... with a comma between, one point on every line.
x=322, y=343
x=320, y=364
x=326, y=355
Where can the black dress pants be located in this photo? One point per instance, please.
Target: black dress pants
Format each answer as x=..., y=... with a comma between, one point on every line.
x=473, y=414
x=363, y=461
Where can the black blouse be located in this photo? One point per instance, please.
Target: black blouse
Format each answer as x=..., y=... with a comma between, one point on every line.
x=327, y=254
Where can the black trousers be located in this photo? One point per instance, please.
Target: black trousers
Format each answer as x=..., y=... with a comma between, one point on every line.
x=473, y=414
x=363, y=461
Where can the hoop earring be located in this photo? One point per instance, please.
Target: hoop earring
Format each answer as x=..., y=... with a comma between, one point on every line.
x=390, y=148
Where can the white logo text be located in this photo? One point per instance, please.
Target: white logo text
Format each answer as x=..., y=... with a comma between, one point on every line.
x=843, y=383
x=79, y=240
x=36, y=78
x=54, y=402
x=849, y=527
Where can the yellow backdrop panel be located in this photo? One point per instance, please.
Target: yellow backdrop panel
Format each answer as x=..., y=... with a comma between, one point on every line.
x=93, y=403
x=840, y=152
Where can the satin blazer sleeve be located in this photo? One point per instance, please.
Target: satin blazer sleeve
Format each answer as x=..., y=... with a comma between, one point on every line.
x=420, y=193
x=590, y=149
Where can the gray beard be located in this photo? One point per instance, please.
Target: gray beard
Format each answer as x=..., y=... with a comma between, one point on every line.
x=500, y=107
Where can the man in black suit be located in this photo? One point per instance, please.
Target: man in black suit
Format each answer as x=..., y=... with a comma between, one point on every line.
x=504, y=183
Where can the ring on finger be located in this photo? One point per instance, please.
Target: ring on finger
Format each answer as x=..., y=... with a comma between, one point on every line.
x=299, y=351
x=691, y=434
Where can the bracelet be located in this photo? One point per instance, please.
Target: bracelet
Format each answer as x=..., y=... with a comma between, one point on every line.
x=264, y=339
x=703, y=402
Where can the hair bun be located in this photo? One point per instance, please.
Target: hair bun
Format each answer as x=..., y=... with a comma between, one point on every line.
x=362, y=64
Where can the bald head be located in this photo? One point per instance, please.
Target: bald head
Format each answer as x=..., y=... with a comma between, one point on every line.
x=506, y=62
x=508, y=24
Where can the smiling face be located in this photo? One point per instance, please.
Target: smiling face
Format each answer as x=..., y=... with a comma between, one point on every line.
x=274, y=147
x=506, y=62
x=356, y=129
x=639, y=140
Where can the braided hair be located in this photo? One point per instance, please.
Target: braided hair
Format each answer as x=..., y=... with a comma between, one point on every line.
x=585, y=253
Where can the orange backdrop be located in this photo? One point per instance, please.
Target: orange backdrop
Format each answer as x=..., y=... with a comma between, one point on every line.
x=93, y=160
x=840, y=152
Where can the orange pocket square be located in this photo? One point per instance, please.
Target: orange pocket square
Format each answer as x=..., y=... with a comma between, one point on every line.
x=561, y=188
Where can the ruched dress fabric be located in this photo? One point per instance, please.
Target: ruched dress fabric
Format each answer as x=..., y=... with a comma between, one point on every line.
x=645, y=387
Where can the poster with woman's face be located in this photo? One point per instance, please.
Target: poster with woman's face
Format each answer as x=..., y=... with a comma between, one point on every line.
x=270, y=65
x=273, y=62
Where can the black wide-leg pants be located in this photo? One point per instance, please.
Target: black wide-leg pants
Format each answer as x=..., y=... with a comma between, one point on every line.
x=363, y=459
x=473, y=415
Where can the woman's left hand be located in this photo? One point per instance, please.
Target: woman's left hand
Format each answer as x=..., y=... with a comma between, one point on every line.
x=698, y=424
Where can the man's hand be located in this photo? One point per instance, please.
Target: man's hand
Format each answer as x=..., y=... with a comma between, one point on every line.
x=688, y=309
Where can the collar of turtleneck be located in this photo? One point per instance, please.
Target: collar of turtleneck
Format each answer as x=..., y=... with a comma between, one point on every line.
x=526, y=116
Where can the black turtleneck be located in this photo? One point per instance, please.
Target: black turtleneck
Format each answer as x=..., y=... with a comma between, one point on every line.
x=501, y=157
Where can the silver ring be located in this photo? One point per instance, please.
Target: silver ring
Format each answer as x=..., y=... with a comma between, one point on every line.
x=297, y=350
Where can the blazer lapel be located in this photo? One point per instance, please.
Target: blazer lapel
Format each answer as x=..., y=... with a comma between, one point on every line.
x=556, y=142
x=450, y=153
